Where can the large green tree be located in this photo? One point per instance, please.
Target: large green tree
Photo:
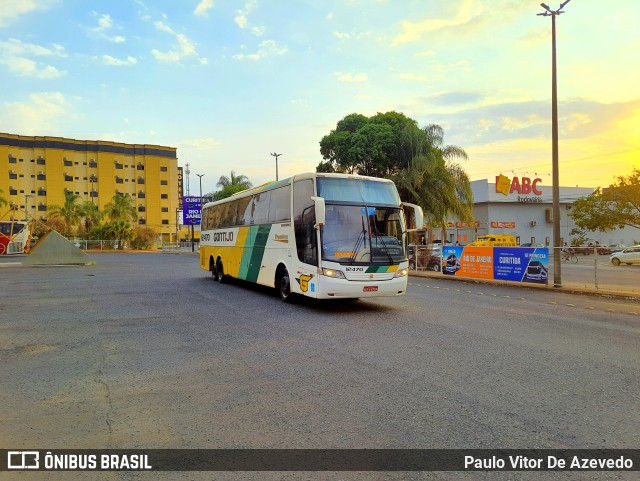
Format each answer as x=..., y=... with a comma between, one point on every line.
x=380, y=145
x=610, y=208
x=391, y=145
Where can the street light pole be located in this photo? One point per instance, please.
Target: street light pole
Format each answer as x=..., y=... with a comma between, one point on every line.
x=200, y=176
x=557, y=269
x=273, y=154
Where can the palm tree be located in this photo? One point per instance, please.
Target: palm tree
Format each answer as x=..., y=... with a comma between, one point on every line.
x=121, y=207
x=235, y=180
x=90, y=214
x=3, y=200
x=435, y=182
x=70, y=212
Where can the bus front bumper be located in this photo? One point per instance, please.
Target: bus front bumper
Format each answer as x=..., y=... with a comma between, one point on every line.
x=329, y=288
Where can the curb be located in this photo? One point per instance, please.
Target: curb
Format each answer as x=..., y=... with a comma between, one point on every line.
x=549, y=288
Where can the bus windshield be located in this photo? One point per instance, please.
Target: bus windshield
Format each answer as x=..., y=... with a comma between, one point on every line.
x=358, y=191
x=361, y=234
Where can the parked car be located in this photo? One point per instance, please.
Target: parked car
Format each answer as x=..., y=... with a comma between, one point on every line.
x=428, y=257
x=630, y=255
x=610, y=249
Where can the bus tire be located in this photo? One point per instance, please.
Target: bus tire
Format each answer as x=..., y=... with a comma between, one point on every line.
x=212, y=268
x=220, y=277
x=284, y=285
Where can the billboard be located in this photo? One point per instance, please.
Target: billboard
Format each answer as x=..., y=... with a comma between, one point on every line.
x=191, y=210
x=515, y=264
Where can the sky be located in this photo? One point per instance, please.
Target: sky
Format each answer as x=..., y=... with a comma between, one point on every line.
x=230, y=82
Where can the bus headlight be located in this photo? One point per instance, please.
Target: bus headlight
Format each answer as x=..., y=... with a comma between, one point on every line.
x=333, y=273
x=402, y=272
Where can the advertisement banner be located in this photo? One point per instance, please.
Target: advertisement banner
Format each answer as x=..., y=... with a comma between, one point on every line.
x=521, y=264
x=191, y=210
x=515, y=264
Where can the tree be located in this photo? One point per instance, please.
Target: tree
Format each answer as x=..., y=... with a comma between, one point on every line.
x=90, y=215
x=121, y=207
x=70, y=212
x=3, y=199
x=610, y=208
x=230, y=185
x=394, y=146
x=380, y=145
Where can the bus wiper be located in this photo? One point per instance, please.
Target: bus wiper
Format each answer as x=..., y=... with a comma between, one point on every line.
x=362, y=237
x=380, y=239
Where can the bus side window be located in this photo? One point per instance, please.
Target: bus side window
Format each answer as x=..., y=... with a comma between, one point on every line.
x=244, y=212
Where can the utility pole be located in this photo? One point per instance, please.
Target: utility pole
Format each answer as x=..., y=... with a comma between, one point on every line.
x=273, y=154
x=557, y=270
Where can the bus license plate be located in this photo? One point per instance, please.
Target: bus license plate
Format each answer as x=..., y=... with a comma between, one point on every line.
x=370, y=288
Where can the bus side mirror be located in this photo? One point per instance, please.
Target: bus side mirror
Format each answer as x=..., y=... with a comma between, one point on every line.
x=413, y=216
x=321, y=211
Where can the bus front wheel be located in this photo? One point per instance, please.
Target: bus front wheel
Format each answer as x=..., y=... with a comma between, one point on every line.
x=284, y=286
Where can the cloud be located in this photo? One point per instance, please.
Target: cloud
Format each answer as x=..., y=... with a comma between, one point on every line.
x=412, y=76
x=14, y=54
x=203, y=143
x=203, y=8
x=105, y=24
x=456, y=98
x=351, y=77
x=10, y=10
x=242, y=19
x=40, y=114
x=116, y=62
x=266, y=48
x=184, y=48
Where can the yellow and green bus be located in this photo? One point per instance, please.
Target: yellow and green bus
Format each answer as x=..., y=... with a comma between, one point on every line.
x=326, y=236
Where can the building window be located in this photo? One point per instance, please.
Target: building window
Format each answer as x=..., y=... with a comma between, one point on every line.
x=13, y=175
x=140, y=166
x=41, y=176
x=165, y=209
x=163, y=169
x=68, y=178
x=119, y=180
x=119, y=165
x=141, y=208
x=165, y=221
x=164, y=182
x=140, y=180
x=68, y=163
x=42, y=207
x=40, y=161
x=13, y=191
x=93, y=164
x=42, y=192
x=12, y=160
x=94, y=193
x=164, y=196
x=142, y=221
x=141, y=195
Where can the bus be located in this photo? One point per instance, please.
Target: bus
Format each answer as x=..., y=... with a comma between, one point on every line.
x=325, y=236
x=15, y=237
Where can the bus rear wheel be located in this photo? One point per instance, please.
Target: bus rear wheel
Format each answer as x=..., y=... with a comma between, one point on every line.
x=284, y=286
x=220, y=277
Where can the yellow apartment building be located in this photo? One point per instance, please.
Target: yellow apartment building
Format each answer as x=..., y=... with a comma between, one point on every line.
x=35, y=172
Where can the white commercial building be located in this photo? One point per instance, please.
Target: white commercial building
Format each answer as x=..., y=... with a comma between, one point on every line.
x=523, y=206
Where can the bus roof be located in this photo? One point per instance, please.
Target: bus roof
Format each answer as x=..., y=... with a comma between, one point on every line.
x=275, y=184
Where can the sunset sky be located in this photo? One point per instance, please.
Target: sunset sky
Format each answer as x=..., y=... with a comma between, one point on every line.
x=229, y=82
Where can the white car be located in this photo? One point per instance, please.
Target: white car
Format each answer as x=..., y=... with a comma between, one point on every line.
x=630, y=255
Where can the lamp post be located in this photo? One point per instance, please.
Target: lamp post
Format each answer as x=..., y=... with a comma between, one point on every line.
x=557, y=270
x=26, y=206
x=200, y=176
x=273, y=154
